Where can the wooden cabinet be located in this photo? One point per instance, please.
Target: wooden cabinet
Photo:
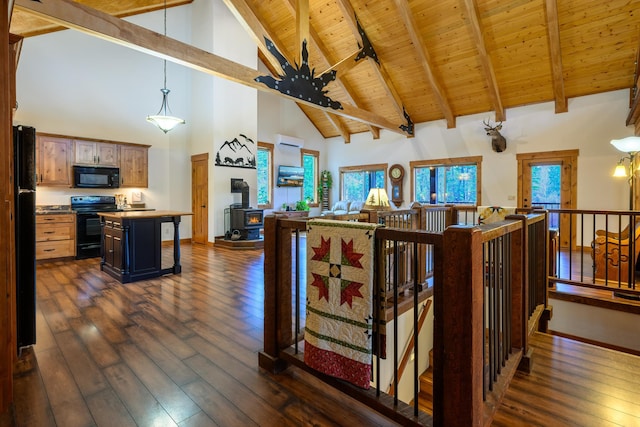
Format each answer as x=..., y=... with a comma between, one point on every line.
x=56, y=154
x=53, y=160
x=96, y=153
x=55, y=236
x=112, y=244
x=134, y=166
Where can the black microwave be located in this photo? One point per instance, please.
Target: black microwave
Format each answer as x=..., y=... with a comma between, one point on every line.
x=96, y=177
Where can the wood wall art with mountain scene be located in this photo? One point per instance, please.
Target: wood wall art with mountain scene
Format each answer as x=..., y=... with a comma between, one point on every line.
x=237, y=154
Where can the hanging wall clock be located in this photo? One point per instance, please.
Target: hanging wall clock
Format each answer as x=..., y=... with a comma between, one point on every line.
x=396, y=174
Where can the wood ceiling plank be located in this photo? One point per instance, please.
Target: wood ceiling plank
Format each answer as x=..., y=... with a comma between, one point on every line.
x=90, y=21
x=350, y=17
x=425, y=61
x=28, y=25
x=302, y=25
x=342, y=67
x=478, y=35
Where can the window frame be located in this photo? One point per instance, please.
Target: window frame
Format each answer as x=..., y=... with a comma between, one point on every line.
x=268, y=147
x=363, y=168
x=316, y=173
x=456, y=161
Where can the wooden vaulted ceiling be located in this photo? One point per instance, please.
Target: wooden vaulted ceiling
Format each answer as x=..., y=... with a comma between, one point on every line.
x=437, y=60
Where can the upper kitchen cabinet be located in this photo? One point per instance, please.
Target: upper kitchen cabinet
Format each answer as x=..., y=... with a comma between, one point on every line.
x=94, y=153
x=134, y=166
x=53, y=160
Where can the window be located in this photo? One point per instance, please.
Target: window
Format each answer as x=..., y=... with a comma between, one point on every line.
x=310, y=185
x=356, y=181
x=447, y=180
x=265, y=175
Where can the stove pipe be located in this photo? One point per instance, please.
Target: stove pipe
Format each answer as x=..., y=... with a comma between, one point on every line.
x=244, y=188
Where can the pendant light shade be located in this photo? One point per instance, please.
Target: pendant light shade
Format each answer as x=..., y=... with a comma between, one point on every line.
x=164, y=120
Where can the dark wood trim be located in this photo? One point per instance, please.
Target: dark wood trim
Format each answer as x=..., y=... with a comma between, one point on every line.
x=8, y=353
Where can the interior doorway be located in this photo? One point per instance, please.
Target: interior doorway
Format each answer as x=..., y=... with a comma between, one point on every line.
x=200, y=198
x=550, y=180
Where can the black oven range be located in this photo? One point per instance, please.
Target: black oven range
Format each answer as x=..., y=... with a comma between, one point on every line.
x=88, y=232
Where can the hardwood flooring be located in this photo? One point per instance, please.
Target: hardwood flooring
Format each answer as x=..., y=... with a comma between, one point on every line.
x=182, y=350
x=177, y=350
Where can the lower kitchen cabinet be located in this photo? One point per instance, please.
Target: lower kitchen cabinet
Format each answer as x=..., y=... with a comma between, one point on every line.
x=55, y=236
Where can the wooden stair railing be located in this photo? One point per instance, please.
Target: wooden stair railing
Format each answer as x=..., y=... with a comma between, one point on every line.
x=408, y=349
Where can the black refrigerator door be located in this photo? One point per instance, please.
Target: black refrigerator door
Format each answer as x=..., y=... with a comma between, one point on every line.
x=24, y=138
x=26, y=268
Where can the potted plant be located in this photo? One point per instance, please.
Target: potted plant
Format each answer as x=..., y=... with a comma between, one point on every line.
x=302, y=205
x=324, y=181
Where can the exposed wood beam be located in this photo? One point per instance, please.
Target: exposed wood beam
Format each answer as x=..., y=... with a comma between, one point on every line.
x=340, y=127
x=634, y=111
x=350, y=18
x=90, y=21
x=302, y=25
x=553, y=32
x=485, y=60
x=425, y=61
x=341, y=67
x=315, y=38
x=252, y=25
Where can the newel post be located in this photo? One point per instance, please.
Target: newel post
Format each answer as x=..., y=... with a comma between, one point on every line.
x=458, y=339
x=277, y=294
x=520, y=291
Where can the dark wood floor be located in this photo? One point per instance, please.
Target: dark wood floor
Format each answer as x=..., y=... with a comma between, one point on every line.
x=182, y=350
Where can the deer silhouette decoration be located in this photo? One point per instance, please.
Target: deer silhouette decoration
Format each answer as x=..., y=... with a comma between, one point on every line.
x=498, y=142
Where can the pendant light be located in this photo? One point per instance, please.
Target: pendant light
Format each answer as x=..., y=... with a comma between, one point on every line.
x=164, y=120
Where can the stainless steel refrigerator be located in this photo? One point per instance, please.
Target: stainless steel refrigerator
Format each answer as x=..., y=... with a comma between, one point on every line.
x=24, y=144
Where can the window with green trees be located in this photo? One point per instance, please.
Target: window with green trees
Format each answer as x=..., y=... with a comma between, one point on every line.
x=447, y=181
x=264, y=169
x=356, y=181
x=310, y=159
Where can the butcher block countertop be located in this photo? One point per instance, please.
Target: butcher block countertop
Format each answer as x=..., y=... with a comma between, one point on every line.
x=143, y=214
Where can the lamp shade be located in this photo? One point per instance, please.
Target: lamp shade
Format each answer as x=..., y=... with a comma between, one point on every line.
x=377, y=199
x=630, y=144
x=165, y=123
x=620, y=171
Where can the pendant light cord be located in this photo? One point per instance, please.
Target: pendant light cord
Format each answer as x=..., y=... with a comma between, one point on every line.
x=165, y=35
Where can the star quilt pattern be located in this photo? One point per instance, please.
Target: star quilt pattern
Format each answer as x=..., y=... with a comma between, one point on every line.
x=339, y=318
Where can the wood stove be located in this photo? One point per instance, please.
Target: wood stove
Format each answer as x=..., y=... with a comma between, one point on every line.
x=243, y=218
x=247, y=221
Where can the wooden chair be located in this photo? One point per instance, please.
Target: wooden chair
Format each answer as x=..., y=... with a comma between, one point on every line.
x=612, y=253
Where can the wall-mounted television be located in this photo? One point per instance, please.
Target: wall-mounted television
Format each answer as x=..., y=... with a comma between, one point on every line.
x=290, y=176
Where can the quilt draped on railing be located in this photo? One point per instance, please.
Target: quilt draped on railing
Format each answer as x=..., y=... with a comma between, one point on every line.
x=489, y=214
x=339, y=319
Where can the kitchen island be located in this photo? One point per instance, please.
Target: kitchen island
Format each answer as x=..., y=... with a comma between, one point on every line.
x=132, y=244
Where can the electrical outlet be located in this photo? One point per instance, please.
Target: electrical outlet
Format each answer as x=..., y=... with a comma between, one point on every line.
x=511, y=197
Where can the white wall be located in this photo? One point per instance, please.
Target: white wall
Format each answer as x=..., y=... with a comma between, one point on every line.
x=596, y=323
x=592, y=121
x=278, y=115
x=74, y=84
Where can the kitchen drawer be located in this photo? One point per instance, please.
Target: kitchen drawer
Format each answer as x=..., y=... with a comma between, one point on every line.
x=55, y=231
x=55, y=249
x=55, y=218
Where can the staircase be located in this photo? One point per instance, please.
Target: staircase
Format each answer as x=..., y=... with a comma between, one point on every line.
x=425, y=397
